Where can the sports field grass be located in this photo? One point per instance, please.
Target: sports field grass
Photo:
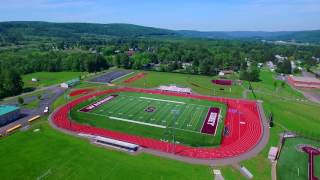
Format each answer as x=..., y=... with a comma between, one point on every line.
x=127, y=113
x=53, y=155
x=199, y=84
x=48, y=78
x=294, y=164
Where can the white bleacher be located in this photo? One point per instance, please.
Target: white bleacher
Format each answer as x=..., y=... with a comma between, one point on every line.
x=175, y=89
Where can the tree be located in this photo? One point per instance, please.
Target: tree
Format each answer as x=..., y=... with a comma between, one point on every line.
x=251, y=74
x=124, y=60
x=21, y=100
x=275, y=84
x=12, y=83
x=284, y=67
x=140, y=60
x=204, y=68
x=254, y=73
x=39, y=96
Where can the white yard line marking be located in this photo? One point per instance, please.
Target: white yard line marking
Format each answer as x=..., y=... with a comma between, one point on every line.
x=137, y=122
x=163, y=100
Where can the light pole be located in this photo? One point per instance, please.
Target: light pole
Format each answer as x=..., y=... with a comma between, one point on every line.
x=176, y=113
x=239, y=117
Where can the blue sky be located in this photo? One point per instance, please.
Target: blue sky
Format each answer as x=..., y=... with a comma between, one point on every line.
x=204, y=15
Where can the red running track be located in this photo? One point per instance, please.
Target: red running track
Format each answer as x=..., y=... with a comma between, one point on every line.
x=80, y=92
x=134, y=78
x=235, y=144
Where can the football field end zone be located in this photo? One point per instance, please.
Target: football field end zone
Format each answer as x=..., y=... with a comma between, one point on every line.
x=60, y=119
x=211, y=121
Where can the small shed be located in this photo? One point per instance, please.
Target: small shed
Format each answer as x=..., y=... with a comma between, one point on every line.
x=34, y=80
x=273, y=152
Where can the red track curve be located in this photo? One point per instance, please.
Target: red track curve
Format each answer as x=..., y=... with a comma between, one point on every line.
x=233, y=145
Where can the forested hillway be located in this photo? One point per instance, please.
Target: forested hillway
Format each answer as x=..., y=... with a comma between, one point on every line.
x=20, y=30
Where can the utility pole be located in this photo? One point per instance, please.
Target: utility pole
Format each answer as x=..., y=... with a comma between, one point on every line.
x=176, y=113
x=239, y=118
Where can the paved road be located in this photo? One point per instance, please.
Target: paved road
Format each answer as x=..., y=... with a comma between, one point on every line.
x=31, y=92
x=310, y=94
x=47, y=99
x=308, y=74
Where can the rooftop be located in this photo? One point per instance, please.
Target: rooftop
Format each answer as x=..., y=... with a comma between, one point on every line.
x=4, y=109
x=73, y=81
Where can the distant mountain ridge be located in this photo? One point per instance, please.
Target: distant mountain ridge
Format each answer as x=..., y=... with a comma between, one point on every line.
x=68, y=30
x=76, y=30
x=299, y=36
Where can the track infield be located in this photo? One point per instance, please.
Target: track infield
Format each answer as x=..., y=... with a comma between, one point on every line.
x=243, y=124
x=156, y=116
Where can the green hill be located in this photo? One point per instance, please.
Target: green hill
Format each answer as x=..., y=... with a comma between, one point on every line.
x=76, y=30
x=297, y=36
x=19, y=30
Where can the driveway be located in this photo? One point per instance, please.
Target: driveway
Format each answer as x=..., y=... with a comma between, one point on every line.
x=51, y=94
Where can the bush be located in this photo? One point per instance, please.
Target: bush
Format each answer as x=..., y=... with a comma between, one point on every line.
x=20, y=100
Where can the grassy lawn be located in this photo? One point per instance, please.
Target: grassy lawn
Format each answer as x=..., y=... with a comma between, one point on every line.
x=231, y=173
x=54, y=155
x=199, y=84
x=129, y=105
x=291, y=160
x=48, y=78
x=287, y=112
x=287, y=108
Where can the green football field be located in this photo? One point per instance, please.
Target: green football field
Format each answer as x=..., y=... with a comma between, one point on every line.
x=155, y=116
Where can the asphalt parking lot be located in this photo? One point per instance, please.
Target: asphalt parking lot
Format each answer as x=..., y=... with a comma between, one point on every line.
x=110, y=76
x=47, y=98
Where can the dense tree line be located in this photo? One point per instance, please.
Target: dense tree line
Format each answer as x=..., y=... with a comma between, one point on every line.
x=205, y=56
x=188, y=56
x=193, y=56
x=10, y=83
x=34, y=61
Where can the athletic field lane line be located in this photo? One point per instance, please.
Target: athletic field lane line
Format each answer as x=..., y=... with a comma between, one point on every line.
x=136, y=122
x=164, y=100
